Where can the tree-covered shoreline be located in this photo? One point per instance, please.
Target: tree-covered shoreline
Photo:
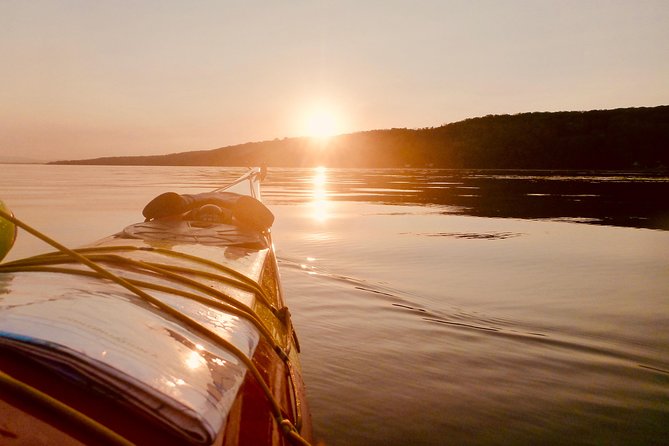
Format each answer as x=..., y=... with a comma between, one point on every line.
x=626, y=138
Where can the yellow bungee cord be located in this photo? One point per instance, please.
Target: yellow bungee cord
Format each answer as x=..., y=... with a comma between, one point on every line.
x=7, y=232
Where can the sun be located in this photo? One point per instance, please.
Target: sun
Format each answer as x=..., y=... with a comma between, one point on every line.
x=321, y=123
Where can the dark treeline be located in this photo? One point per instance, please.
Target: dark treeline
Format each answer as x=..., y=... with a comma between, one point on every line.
x=628, y=138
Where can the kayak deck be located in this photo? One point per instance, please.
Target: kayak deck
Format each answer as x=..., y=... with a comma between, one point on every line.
x=209, y=358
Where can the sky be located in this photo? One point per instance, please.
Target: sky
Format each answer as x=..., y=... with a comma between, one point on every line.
x=83, y=79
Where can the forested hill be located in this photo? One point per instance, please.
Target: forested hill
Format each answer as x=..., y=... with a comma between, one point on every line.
x=628, y=138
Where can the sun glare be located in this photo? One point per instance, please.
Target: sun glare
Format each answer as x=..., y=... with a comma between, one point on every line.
x=321, y=123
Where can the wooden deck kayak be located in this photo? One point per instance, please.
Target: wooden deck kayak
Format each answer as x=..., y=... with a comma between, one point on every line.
x=173, y=331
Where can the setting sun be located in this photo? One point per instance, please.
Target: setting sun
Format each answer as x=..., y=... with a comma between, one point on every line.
x=321, y=123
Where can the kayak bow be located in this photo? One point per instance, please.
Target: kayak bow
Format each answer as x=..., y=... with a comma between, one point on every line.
x=173, y=331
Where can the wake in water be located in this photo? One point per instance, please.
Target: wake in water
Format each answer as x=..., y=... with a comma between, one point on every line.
x=458, y=317
x=534, y=377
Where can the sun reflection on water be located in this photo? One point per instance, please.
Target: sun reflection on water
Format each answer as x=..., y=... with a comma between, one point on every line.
x=320, y=203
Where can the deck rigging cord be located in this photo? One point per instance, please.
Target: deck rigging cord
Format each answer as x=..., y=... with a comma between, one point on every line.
x=287, y=427
x=167, y=271
x=239, y=280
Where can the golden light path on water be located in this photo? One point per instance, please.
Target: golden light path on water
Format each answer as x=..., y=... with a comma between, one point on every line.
x=320, y=203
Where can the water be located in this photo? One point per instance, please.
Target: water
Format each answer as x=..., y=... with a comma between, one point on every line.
x=439, y=307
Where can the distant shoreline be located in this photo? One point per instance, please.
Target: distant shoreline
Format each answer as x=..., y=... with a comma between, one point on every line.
x=26, y=162
x=653, y=172
x=619, y=139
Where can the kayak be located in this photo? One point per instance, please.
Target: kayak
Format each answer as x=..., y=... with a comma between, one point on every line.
x=173, y=331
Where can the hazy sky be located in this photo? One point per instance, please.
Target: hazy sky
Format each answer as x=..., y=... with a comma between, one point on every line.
x=82, y=79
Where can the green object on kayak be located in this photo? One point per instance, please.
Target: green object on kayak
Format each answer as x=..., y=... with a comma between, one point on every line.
x=7, y=232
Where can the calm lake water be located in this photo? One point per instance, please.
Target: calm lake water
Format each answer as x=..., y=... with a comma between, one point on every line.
x=439, y=307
